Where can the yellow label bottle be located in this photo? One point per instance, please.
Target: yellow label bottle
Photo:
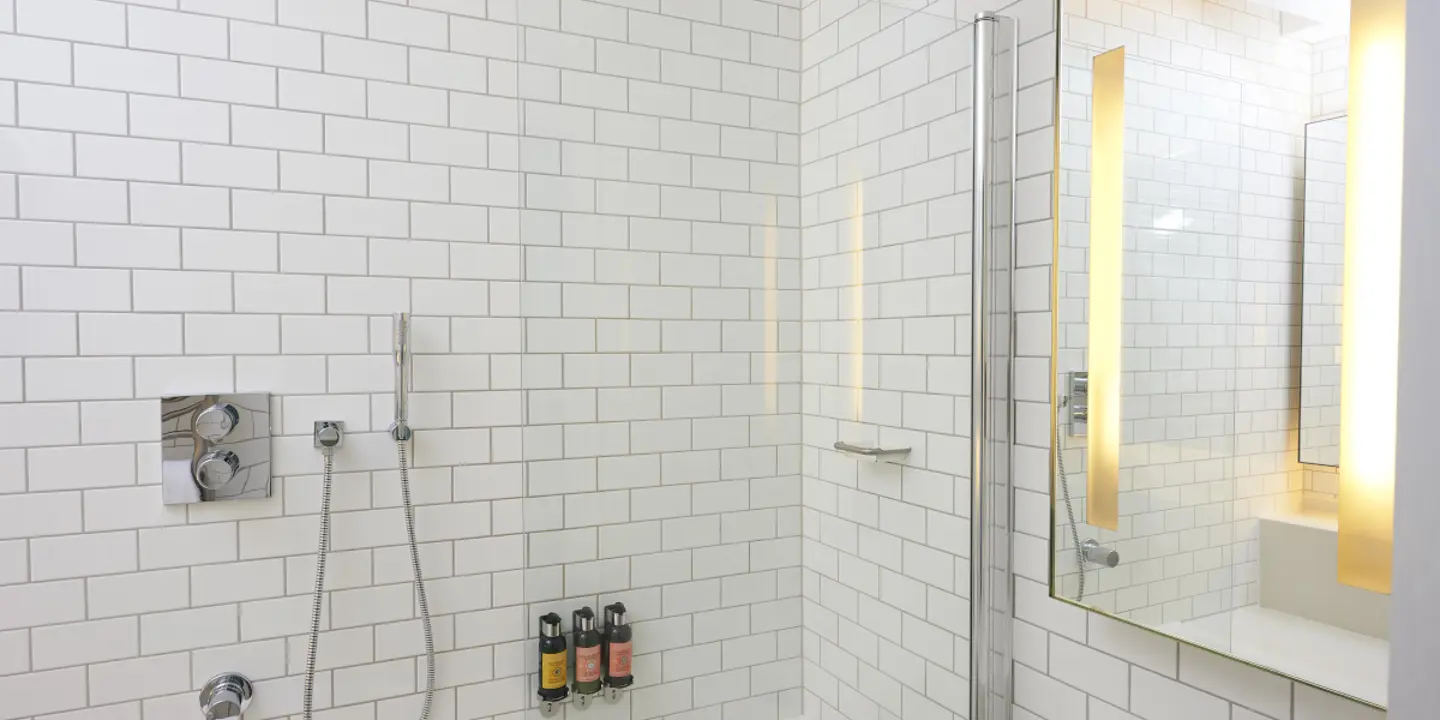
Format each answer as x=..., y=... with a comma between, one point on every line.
x=552, y=671
x=553, y=657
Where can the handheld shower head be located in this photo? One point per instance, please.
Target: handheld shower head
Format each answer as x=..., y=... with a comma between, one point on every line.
x=400, y=430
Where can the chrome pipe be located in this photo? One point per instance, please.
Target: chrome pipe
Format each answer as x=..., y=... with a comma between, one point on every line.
x=400, y=429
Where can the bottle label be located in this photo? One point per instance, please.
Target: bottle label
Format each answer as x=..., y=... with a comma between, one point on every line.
x=587, y=664
x=552, y=671
x=620, y=659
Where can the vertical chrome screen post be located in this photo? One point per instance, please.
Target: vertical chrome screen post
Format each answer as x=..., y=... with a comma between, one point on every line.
x=993, y=112
x=984, y=81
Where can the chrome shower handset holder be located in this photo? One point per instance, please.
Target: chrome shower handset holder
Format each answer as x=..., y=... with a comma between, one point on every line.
x=400, y=429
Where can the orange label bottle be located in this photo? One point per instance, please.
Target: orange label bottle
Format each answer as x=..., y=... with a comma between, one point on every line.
x=587, y=664
x=620, y=659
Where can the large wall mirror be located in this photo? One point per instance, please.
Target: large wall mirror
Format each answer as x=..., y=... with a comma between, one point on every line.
x=1221, y=424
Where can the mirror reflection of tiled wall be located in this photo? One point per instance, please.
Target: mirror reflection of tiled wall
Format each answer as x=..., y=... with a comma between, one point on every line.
x=1217, y=100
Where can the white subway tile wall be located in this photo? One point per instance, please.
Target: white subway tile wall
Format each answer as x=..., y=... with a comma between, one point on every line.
x=886, y=198
x=591, y=208
x=1330, y=77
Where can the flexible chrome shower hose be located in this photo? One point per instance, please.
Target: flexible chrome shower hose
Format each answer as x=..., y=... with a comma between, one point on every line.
x=315, y=607
x=320, y=557
x=419, y=581
x=1069, y=507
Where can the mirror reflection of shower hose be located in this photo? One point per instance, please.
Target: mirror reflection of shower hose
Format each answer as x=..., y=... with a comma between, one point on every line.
x=1069, y=506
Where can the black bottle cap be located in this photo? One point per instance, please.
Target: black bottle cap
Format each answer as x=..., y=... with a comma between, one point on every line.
x=584, y=619
x=615, y=614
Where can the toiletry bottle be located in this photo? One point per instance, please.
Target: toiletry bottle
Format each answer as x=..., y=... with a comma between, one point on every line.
x=587, y=652
x=553, y=658
x=617, y=647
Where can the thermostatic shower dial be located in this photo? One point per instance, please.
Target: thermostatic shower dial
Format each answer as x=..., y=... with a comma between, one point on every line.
x=216, y=469
x=217, y=421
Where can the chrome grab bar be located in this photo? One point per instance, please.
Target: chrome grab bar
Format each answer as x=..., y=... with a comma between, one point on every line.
x=870, y=452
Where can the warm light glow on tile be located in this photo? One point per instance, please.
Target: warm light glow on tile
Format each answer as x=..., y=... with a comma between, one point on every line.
x=1107, y=211
x=772, y=308
x=1371, y=328
x=857, y=303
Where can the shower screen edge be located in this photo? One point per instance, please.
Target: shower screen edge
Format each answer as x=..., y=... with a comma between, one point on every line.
x=990, y=692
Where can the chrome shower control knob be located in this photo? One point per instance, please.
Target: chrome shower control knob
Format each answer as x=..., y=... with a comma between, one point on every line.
x=217, y=468
x=225, y=696
x=217, y=421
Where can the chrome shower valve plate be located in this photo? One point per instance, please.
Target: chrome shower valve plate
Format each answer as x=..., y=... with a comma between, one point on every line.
x=215, y=448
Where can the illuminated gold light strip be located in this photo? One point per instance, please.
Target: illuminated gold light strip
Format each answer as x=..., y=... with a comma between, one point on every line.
x=1107, y=211
x=1371, y=316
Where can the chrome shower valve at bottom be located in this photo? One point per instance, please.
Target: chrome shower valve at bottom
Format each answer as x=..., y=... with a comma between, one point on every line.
x=226, y=696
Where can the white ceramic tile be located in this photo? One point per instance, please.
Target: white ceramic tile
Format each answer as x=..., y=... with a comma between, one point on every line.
x=82, y=643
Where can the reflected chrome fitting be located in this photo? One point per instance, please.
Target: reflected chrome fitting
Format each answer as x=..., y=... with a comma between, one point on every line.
x=1077, y=402
x=613, y=694
x=549, y=708
x=1097, y=554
